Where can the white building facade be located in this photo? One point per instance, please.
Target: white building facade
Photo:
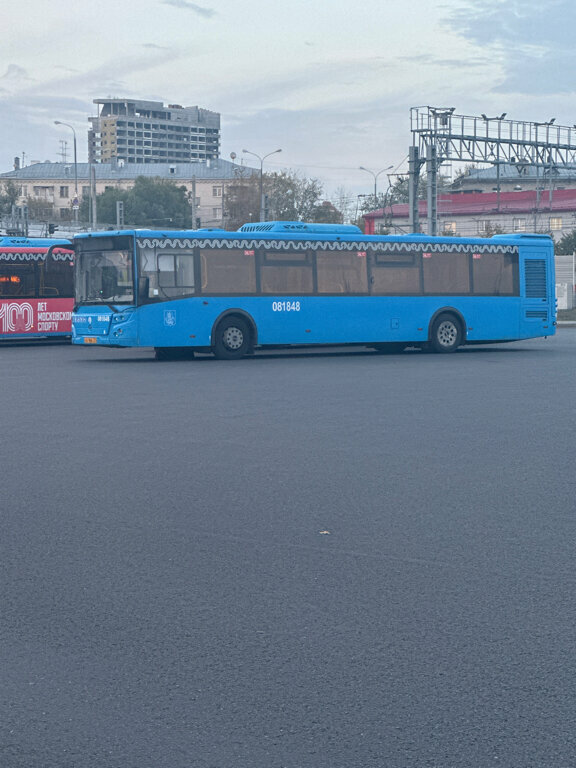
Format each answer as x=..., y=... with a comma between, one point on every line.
x=49, y=189
x=482, y=214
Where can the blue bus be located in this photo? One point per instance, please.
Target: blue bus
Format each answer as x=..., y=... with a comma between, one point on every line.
x=278, y=284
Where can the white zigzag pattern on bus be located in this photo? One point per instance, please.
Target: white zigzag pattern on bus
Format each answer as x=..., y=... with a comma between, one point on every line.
x=323, y=245
x=28, y=256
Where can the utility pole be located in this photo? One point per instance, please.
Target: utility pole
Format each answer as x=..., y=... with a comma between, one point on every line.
x=414, y=164
x=193, y=202
x=93, y=204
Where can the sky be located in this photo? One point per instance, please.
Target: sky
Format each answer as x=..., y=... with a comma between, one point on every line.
x=328, y=82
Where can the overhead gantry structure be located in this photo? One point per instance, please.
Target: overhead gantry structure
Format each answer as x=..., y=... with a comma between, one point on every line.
x=439, y=136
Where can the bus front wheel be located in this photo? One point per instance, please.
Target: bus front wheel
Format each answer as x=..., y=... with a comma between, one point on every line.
x=231, y=339
x=446, y=334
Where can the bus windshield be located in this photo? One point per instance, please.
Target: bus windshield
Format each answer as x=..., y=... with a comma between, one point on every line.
x=104, y=274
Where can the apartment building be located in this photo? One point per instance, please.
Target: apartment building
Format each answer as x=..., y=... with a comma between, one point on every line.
x=48, y=189
x=139, y=132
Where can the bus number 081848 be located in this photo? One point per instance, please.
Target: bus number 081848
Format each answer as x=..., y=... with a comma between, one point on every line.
x=285, y=306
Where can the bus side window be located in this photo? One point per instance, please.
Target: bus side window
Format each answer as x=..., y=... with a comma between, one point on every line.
x=175, y=274
x=148, y=280
x=342, y=272
x=446, y=272
x=286, y=273
x=17, y=280
x=56, y=279
x=166, y=270
x=395, y=272
x=495, y=274
x=228, y=271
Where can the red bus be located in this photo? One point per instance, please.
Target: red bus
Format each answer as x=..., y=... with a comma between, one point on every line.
x=36, y=288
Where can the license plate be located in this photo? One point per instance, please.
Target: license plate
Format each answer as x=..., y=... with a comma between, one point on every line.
x=90, y=340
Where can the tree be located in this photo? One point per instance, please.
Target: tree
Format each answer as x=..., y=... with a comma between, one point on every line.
x=288, y=197
x=327, y=213
x=8, y=195
x=106, y=205
x=152, y=202
x=291, y=198
x=158, y=202
x=39, y=209
x=567, y=243
x=241, y=202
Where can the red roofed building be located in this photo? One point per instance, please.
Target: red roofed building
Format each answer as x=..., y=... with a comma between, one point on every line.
x=481, y=214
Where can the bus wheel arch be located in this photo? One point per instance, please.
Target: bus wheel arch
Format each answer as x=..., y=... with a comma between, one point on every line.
x=447, y=330
x=234, y=335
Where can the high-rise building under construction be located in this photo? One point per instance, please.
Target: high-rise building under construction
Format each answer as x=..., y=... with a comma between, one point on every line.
x=135, y=131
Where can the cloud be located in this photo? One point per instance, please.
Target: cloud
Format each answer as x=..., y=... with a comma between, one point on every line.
x=103, y=80
x=346, y=137
x=516, y=22
x=15, y=75
x=425, y=59
x=34, y=106
x=208, y=13
x=533, y=41
x=311, y=84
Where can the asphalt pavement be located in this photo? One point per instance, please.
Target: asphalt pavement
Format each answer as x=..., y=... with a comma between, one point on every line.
x=316, y=559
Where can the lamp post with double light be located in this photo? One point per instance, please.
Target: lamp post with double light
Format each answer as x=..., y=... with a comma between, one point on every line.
x=262, y=158
x=375, y=175
x=76, y=202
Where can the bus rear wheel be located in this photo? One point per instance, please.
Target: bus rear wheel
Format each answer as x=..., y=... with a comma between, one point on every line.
x=231, y=339
x=446, y=335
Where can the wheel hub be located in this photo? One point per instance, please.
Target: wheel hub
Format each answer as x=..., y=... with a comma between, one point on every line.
x=447, y=334
x=233, y=337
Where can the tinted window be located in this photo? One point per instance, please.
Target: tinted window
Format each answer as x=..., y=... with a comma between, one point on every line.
x=17, y=281
x=395, y=272
x=341, y=272
x=495, y=274
x=228, y=271
x=446, y=272
x=286, y=273
x=56, y=278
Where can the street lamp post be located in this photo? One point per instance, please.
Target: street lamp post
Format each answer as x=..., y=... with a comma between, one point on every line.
x=76, y=201
x=262, y=203
x=375, y=175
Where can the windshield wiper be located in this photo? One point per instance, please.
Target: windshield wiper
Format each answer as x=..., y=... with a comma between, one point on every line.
x=92, y=300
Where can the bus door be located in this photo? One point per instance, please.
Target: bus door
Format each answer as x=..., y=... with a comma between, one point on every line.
x=537, y=291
